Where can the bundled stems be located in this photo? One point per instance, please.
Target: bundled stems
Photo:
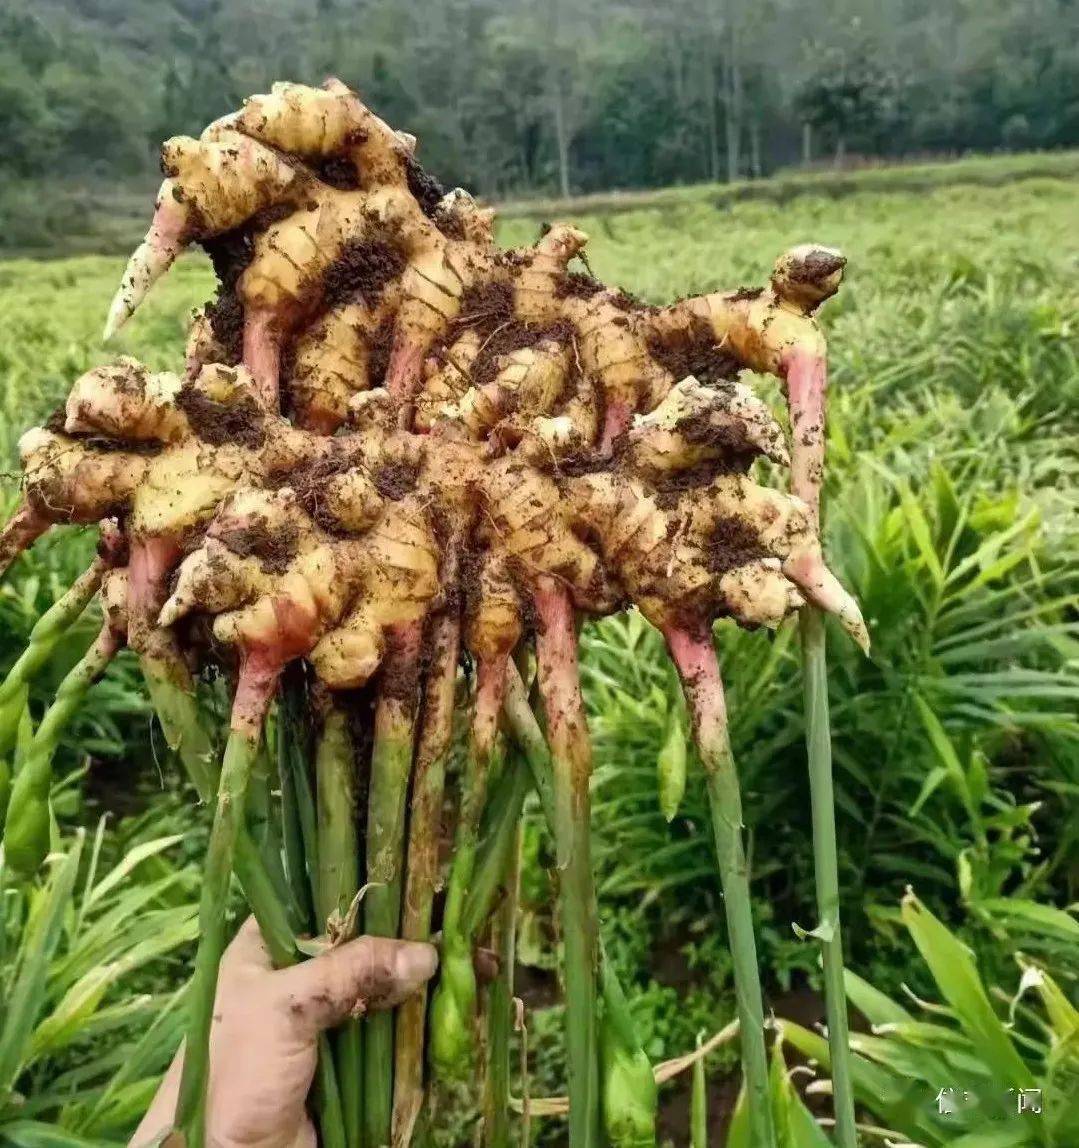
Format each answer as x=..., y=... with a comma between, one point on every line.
x=299, y=841
x=571, y=758
x=525, y=731
x=698, y=667
x=629, y=1092
x=391, y=762
x=428, y=786
x=253, y=694
x=826, y=869
x=264, y=828
x=496, y=844
x=172, y=694
x=454, y=1004
x=26, y=827
x=298, y=816
x=338, y=882
x=497, y=1131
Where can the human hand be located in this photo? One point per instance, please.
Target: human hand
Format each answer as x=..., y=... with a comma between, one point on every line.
x=265, y=1031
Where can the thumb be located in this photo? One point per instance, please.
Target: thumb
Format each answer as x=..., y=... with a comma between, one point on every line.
x=368, y=973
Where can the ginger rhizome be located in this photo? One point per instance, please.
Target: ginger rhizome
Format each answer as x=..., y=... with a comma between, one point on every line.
x=390, y=439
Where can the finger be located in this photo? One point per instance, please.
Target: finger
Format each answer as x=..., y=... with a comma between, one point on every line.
x=248, y=950
x=369, y=973
x=162, y=1111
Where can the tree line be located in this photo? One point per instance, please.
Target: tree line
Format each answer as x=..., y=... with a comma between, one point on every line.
x=512, y=97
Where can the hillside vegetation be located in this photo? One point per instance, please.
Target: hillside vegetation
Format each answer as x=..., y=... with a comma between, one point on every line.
x=517, y=99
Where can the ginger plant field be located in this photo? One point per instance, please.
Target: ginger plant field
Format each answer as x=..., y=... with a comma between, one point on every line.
x=953, y=424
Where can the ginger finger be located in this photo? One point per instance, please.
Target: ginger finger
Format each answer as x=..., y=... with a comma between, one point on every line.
x=774, y=331
x=213, y=185
x=127, y=402
x=67, y=480
x=528, y=383
x=696, y=424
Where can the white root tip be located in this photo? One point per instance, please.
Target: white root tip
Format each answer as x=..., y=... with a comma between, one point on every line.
x=150, y=260
x=119, y=313
x=173, y=610
x=806, y=569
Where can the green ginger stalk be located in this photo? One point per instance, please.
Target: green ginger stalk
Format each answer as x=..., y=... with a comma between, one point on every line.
x=391, y=763
x=425, y=816
x=695, y=658
x=630, y=1096
x=236, y=767
x=49, y=629
x=338, y=883
x=26, y=826
x=571, y=757
x=497, y=1130
x=698, y=1110
x=454, y=1005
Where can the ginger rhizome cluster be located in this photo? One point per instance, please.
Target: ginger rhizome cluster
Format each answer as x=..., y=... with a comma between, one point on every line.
x=391, y=436
x=382, y=412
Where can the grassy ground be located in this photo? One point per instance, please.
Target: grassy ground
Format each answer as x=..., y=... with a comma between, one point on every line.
x=975, y=171
x=952, y=511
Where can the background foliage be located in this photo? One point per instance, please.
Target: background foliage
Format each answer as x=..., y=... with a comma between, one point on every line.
x=516, y=97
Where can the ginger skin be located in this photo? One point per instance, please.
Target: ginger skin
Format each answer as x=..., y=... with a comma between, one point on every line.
x=498, y=420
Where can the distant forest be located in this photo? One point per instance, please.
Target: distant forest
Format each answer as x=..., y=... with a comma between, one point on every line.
x=514, y=97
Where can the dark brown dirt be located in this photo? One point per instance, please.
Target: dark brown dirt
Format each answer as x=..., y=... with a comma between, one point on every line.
x=488, y=303
x=360, y=707
x=587, y=461
x=226, y=318
x=469, y=568
x=671, y=488
x=362, y=270
x=378, y=352
x=512, y=335
x=395, y=479
x=451, y=225
x=697, y=354
x=488, y=308
x=308, y=481
x=730, y=438
x=733, y=543
x=513, y=258
x=132, y=380
x=816, y=266
x=399, y=678
x=274, y=547
x=744, y=294
x=624, y=301
x=337, y=171
x=577, y=285
x=424, y=186
x=105, y=445
x=240, y=422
